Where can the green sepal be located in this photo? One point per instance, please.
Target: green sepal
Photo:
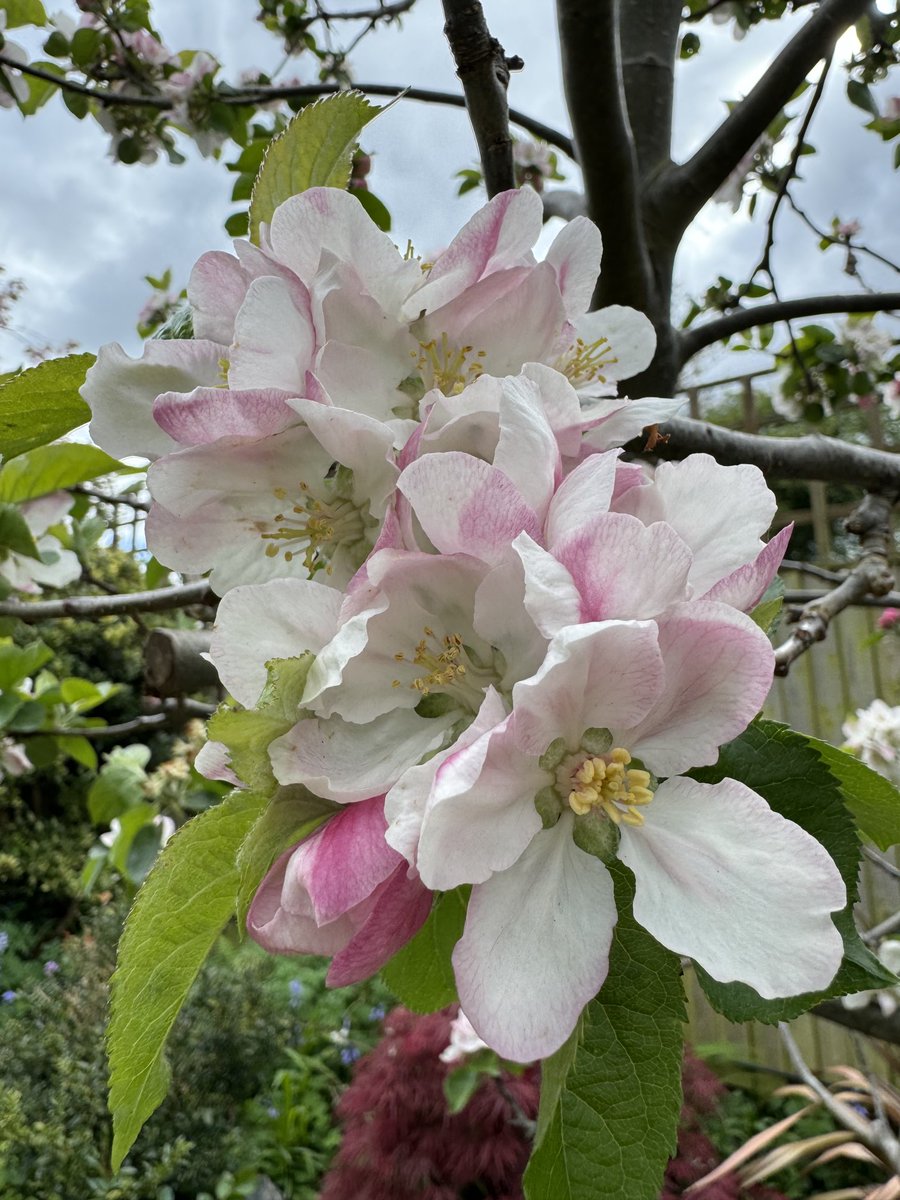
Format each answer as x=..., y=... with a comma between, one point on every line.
x=597, y=741
x=596, y=834
x=548, y=807
x=554, y=754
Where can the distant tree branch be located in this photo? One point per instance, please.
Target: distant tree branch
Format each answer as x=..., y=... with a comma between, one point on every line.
x=159, y=600
x=683, y=190
x=804, y=595
x=720, y=328
x=173, y=716
x=850, y=245
x=605, y=148
x=261, y=95
x=872, y=576
x=810, y=457
x=384, y=12
x=483, y=69
x=132, y=501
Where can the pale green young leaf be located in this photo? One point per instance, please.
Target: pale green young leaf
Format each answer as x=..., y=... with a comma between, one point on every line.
x=41, y=404
x=421, y=974
x=23, y=12
x=315, y=150
x=614, y=1125
x=181, y=909
x=15, y=535
x=52, y=468
x=873, y=800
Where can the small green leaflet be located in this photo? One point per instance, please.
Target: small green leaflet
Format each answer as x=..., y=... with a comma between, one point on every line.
x=315, y=150
x=872, y=799
x=23, y=12
x=421, y=974
x=291, y=815
x=51, y=468
x=187, y=899
x=15, y=535
x=41, y=404
x=786, y=770
x=615, y=1124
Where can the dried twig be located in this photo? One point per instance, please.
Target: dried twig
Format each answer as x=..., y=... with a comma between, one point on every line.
x=871, y=522
x=159, y=600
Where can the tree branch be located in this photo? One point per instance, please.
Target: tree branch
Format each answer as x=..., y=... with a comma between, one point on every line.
x=812, y=456
x=595, y=92
x=805, y=595
x=683, y=190
x=483, y=70
x=851, y=246
x=173, y=715
x=132, y=501
x=721, y=328
x=868, y=1020
x=159, y=600
x=649, y=32
x=871, y=522
x=384, y=12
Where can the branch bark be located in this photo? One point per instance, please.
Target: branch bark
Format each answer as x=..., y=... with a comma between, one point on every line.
x=810, y=457
x=868, y=1020
x=159, y=600
x=595, y=92
x=683, y=190
x=483, y=69
x=783, y=310
x=174, y=716
x=872, y=576
x=174, y=664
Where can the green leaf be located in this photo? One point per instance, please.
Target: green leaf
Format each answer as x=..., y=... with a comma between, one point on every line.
x=81, y=750
x=873, y=800
x=460, y=1085
x=23, y=12
x=859, y=94
x=51, y=468
x=238, y=224
x=18, y=662
x=40, y=90
x=615, y=1125
x=15, y=534
x=143, y=852
x=41, y=404
x=554, y=1073
x=787, y=771
x=421, y=974
x=131, y=822
x=769, y=608
x=181, y=909
x=291, y=815
x=119, y=785
x=247, y=734
x=375, y=208
x=315, y=150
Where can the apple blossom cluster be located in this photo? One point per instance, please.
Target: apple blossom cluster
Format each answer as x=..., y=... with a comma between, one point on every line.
x=405, y=481
x=873, y=734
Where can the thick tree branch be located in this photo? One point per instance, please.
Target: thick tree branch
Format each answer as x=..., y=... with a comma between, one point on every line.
x=649, y=38
x=174, y=664
x=805, y=595
x=810, y=457
x=159, y=600
x=783, y=310
x=683, y=190
x=483, y=69
x=595, y=92
x=868, y=1020
x=872, y=576
x=262, y=95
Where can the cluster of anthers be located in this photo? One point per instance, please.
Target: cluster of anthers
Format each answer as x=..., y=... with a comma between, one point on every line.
x=605, y=783
x=448, y=367
x=585, y=362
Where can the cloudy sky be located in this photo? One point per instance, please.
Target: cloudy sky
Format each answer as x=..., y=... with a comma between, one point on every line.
x=82, y=230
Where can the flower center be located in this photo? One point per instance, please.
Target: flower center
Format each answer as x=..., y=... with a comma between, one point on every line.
x=447, y=367
x=314, y=528
x=447, y=665
x=584, y=362
x=604, y=782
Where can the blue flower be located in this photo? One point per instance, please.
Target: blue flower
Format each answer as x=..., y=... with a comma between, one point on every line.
x=349, y=1055
x=296, y=988
x=4, y=940
x=50, y=967
x=8, y=997
x=377, y=1013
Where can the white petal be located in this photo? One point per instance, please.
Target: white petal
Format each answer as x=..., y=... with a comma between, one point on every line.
x=631, y=338
x=575, y=254
x=614, y=422
x=746, y=893
x=536, y=945
x=274, y=338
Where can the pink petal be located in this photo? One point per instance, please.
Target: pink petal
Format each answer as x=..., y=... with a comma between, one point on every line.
x=575, y=256
x=351, y=858
x=216, y=291
x=746, y=893
x=274, y=337
x=581, y=496
x=744, y=588
x=399, y=909
x=206, y=414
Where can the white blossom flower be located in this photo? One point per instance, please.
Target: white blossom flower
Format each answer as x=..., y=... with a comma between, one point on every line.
x=873, y=734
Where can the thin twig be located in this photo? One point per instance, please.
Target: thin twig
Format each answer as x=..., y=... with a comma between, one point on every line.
x=874, y=935
x=880, y=1141
x=871, y=521
x=848, y=243
x=881, y=862
x=519, y=1119
x=159, y=600
x=384, y=12
x=83, y=489
x=483, y=69
x=791, y=564
x=174, y=714
x=805, y=595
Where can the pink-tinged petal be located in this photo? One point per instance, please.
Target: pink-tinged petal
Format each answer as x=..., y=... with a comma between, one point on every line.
x=724, y=534
x=614, y=422
x=399, y=908
x=274, y=337
x=629, y=335
x=625, y=569
x=351, y=859
x=214, y=762
x=404, y=805
x=535, y=949
x=745, y=587
x=606, y=675
x=287, y=617
x=581, y=497
x=207, y=414
x=308, y=232
x=481, y=814
x=503, y=621
x=628, y=475
x=466, y=506
x=498, y=236
x=746, y=893
x=551, y=598
x=561, y=405
x=42, y=512
x=346, y=762
x=293, y=930
x=575, y=256
x=120, y=391
x=718, y=671
x=216, y=291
